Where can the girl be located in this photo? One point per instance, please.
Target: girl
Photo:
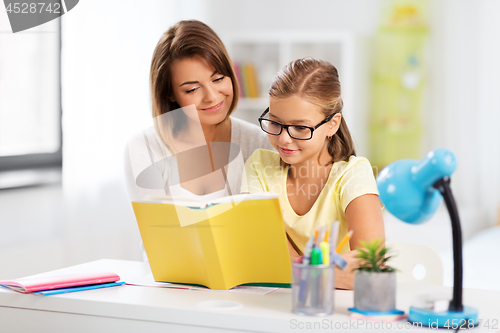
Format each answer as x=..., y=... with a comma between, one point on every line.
x=316, y=172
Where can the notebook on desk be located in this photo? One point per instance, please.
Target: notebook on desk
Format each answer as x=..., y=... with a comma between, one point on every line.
x=220, y=244
x=41, y=284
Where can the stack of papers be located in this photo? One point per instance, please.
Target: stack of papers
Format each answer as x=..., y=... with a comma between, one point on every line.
x=51, y=285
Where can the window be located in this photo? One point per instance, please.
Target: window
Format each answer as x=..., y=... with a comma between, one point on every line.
x=30, y=97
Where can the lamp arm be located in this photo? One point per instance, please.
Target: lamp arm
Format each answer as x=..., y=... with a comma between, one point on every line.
x=443, y=185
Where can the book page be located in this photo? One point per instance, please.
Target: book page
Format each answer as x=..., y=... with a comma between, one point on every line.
x=149, y=281
x=180, y=201
x=199, y=203
x=247, y=196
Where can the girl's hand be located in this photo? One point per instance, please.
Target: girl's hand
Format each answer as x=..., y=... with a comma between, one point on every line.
x=364, y=216
x=344, y=279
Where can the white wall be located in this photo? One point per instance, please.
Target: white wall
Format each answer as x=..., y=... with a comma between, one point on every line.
x=464, y=105
x=358, y=16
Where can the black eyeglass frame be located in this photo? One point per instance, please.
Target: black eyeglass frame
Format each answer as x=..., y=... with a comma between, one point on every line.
x=261, y=118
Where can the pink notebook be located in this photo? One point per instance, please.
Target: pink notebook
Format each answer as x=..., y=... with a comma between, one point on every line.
x=28, y=285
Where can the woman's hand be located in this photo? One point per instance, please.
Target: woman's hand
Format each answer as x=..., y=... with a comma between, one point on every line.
x=344, y=279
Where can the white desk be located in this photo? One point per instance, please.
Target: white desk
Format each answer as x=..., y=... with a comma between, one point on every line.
x=147, y=309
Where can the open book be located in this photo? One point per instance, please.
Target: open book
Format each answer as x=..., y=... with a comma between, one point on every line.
x=220, y=244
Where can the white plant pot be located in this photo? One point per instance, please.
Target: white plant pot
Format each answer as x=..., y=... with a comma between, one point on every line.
x=375, y=291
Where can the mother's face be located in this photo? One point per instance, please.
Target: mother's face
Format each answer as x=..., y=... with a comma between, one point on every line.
x=195, y=82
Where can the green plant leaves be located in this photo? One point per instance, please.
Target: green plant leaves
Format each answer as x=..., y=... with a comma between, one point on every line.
x=373, y=257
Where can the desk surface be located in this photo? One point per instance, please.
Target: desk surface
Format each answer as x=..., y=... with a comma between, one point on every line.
x=129, y=308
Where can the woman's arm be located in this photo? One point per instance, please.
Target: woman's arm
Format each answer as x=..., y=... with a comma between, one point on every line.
x=364, y=216
x=135, y=160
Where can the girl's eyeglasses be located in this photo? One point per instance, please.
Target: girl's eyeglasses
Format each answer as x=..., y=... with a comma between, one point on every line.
x=298, y=132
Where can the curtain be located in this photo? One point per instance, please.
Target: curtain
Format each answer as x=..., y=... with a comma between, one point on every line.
x=106, y=54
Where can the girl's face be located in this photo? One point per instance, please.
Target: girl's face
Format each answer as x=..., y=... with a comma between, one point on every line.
x=298, y=111
x=195, y=82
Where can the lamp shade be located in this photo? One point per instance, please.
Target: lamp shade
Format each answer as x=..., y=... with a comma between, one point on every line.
x=406, y=186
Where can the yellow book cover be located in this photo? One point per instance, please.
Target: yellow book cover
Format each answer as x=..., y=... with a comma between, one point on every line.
x=220, y=245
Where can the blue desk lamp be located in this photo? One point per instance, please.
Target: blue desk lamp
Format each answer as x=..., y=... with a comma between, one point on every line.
x=412, y=191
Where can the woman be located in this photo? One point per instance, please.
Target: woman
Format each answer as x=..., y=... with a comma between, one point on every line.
x=195, y=147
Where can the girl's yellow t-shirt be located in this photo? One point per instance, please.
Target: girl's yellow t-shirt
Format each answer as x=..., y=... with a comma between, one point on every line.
x=347, y=180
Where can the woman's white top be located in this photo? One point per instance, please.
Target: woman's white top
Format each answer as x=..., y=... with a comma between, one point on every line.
x=146, y=150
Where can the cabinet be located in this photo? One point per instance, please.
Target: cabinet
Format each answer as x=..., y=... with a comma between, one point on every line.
x=269, y=52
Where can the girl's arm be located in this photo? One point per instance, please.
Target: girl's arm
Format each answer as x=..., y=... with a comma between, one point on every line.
x=364, y=216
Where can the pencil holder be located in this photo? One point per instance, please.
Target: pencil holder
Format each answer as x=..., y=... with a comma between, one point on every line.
x=313, y=288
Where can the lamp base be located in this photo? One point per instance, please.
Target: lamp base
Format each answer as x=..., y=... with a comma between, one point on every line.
x=445, y=319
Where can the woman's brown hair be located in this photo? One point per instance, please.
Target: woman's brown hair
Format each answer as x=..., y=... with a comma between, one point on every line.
x=317, y=81
x=186, y=39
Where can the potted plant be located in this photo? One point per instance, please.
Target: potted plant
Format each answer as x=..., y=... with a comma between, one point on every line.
x=374, y=280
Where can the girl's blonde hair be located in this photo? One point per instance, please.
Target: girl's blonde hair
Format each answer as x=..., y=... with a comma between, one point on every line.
x=317, y=81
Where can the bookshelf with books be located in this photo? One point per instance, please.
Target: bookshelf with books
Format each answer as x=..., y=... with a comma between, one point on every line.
x=258, y=56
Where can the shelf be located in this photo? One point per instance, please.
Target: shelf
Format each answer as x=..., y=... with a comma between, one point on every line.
x=269, y=51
